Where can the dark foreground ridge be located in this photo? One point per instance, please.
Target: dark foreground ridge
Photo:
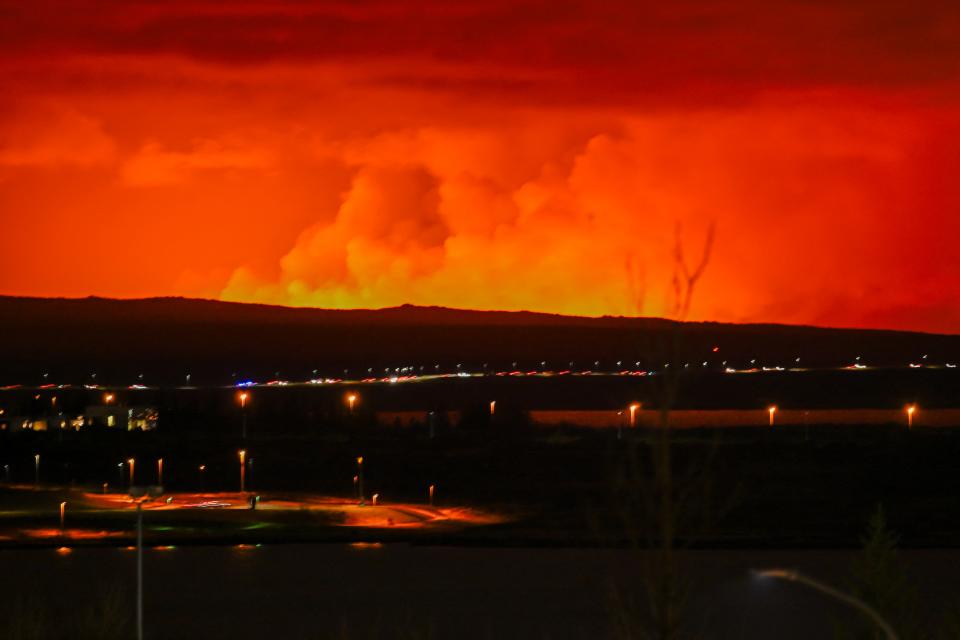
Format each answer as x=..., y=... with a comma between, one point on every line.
x=166, y=338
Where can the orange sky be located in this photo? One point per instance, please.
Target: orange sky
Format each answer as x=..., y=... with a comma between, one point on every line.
x=490, y=155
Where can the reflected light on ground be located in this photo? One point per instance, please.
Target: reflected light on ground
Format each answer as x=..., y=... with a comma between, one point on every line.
x=366, y=545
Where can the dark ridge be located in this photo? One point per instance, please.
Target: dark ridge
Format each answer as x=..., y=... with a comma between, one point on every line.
x=166, y=338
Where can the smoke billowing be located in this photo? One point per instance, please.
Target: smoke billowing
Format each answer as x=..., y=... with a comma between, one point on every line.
x=490, y=156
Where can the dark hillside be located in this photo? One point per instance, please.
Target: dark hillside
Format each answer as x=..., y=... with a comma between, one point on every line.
x=166, y=338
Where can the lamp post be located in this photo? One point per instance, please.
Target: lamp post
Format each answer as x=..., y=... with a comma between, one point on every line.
x=772, y=410
x=431, y=494
x=360, y=479
x=36, y=469
x=633, y=414
x=141, y=496
x=242, y=396
x=63, y=513
x=160, y=471
x=836, y=594
x=132, y=464
x=911, y=409
x=139, y=569
x=243, y=470
x=493, y=407
x=351, y=401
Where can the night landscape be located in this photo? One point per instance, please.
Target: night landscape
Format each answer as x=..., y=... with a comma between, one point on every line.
x=479, y=320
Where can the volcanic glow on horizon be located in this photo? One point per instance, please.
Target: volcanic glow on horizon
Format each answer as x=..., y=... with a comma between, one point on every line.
x=488, y=155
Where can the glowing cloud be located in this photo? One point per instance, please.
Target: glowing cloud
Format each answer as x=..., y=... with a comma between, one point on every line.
x=495, y=155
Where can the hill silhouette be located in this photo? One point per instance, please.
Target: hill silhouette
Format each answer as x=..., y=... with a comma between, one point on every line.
x=216, y=342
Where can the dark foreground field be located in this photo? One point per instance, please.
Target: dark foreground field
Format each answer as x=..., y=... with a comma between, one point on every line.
x=343, y=592
x=550, y=538
x=750, y=488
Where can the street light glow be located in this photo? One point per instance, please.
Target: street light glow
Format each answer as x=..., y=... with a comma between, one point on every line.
x=359, y=478
x=911, y=409
x=832, y=592
x=772, y=410
x=243, y=469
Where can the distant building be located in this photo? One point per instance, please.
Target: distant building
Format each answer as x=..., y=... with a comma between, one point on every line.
x=21, y=423
x=105, y=416
x=139, y=418
x=142, y=418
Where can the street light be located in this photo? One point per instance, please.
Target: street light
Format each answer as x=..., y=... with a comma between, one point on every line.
x=160, y=471
x=131, y=462
x=911, y=409
x=63, y=513
x=493, y=407
x=351, y=401
x=140, y=569
x=242, y=396
x=360, y=478
x=431, y=495
x=856, y=603
x=108, y=398
x=243, y=470
x=772, y=410
x=633, y=414
x=141, y=496
x=36, y=469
